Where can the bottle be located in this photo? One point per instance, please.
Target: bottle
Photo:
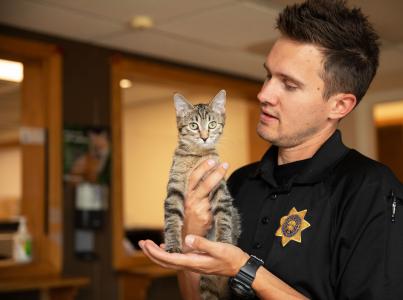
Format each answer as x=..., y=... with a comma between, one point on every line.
x=22, y=242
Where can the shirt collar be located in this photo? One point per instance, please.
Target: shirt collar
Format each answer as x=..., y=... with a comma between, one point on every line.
x=319, y=165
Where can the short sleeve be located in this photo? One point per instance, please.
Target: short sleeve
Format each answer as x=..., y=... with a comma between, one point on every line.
x=366, y=260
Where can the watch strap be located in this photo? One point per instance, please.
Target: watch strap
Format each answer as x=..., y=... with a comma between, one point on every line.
x=241, y=284
x=248, y=272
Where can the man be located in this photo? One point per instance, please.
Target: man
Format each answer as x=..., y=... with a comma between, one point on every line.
x=325, y=219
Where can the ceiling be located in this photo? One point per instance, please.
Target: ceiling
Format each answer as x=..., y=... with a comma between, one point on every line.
x=231, y=36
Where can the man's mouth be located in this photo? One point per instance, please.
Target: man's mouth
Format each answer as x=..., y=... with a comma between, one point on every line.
x=267, y=117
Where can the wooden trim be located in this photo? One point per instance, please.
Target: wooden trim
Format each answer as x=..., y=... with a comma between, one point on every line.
x=134, y=284
x=181, y=75
x=41, y=101
x=122, y=67
x=119, y=259
x=51, y=288
x=41, y=282
x=12, y=143
x=22, y=49
x=55, y=170
x=389, y=122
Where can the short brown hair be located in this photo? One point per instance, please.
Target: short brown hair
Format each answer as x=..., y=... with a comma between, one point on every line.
x=347, y=40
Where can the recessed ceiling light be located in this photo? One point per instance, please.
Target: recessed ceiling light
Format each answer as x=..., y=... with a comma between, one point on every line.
x=125, y=83
x=11, y=70
x=142, y=22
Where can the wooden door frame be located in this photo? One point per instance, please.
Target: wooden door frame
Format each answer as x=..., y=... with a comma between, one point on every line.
x=122, y=67
x=42, y=85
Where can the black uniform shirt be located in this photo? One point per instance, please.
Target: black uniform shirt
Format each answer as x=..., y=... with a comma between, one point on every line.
x=349, y=247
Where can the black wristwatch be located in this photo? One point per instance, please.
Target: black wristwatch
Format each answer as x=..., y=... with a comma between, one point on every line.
x=241, y=284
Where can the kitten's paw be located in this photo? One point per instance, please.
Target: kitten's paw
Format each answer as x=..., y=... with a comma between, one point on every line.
x=173, y=249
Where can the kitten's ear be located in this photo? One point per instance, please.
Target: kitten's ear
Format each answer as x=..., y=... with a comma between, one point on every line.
x=218, y=102
x=182, y=106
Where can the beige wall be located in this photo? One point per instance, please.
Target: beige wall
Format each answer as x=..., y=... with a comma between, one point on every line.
x=149, y=140
x=10, y=172
x=10, y=182
x=361, y=131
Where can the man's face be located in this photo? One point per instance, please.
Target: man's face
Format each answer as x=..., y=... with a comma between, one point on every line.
x=292, y=104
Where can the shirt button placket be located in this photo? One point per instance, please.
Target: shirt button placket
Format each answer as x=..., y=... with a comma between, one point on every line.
x=257, y=245
x=261, y=232
x=265, y=220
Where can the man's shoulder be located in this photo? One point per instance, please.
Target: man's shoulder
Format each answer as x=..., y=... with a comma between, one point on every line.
x=245, y=171
x=358, y=169
x=360, y=166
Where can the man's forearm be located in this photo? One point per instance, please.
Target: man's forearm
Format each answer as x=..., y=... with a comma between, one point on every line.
x=267, y=286
x=189, y=283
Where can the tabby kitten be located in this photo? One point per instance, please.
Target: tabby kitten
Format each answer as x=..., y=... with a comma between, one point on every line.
x=199, y=127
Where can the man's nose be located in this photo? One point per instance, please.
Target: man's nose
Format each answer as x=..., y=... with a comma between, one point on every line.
x=267, y=93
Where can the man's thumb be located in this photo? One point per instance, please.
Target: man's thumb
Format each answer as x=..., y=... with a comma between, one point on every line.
x=198, y=243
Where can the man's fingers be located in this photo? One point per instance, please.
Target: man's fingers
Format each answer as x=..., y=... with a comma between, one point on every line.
x=149, y=249
x=198, y=173
x=208, y=184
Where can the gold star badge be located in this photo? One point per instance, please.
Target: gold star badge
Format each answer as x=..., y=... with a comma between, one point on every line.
x=291, y=226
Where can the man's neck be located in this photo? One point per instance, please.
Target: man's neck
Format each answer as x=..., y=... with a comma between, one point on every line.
x=304, y=150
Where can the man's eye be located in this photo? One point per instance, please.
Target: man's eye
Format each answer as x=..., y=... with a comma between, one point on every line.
x=290, y=87
x=212, y=125
x=193, y=126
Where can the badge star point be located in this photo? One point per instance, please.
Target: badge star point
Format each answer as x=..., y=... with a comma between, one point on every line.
x=291, y=226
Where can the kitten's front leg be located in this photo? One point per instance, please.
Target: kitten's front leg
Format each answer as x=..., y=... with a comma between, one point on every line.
x=222, y=212
x=173, y=221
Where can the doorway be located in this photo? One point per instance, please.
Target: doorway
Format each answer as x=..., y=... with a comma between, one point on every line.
x=145, y=137
x=389, y=131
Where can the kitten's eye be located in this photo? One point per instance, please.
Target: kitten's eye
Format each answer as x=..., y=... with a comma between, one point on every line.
x=193, y=126
x=212, y=125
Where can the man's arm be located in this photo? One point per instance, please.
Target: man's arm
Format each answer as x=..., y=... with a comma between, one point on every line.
x=217, y=258
x=367, y=249
x=198, y=217
x=189, y=285
x=267, y=286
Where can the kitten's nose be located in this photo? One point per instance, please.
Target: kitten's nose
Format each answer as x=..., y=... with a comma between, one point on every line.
x=204, y=135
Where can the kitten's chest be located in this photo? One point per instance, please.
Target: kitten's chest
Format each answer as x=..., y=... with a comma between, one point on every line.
x=184, y=165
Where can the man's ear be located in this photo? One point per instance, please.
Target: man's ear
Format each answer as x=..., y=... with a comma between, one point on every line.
x=341, y=105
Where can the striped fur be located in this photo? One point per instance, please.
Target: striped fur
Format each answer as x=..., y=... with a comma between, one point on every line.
x=199, y=128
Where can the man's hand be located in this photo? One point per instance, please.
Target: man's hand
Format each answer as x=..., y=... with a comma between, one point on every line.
x=217, y=258
x=202, y=180
x=207, y=257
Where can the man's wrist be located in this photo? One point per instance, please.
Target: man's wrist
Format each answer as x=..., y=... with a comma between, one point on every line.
x=241, y=283
x=240, y=263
